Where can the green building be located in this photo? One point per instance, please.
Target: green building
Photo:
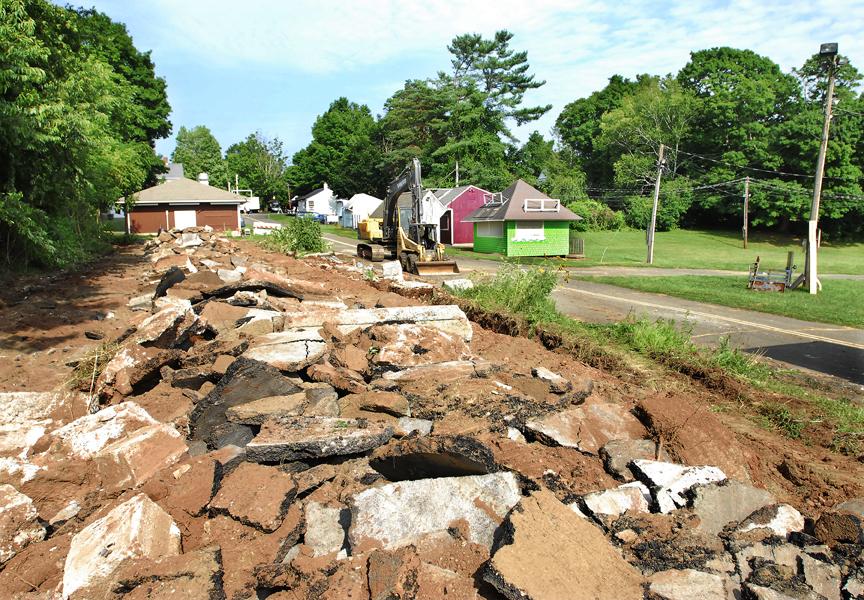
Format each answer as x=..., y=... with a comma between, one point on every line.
x=522, y=221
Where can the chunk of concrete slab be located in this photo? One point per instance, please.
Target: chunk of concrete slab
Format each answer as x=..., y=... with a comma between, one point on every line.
x=392, y=269
x=229, y=276
x=457, y=285
x=630, y=497
x=288, y=350
x=86, y=436
x=551, y=553
x=131, y=365
x=617, y=455
x=145, y=452
x=669, y=482
x=448, y=318
x=401, y=513
x=781, y=519
x=295, y=438
x=687, y=584
x=188, y=240
x=587, y=428
x=718, y=504
x=391, y=403
x=258, y=411
x=19, y=523
x=168, y=328
x=325, y=528
x=445, y=371
x=256, y=495
x=557, y=383
x=136, y=528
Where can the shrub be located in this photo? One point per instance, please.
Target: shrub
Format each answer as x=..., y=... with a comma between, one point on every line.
x=596, y=216
x=299, y=236
x=522, y=290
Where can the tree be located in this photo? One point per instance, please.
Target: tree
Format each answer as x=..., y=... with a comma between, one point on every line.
x=260, y=164
x=199, y=152
x=499, y=72
x=533, y=158
x=343, y=152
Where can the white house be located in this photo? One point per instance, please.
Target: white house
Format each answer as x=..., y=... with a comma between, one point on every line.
x=358, y=208
x=320, y=202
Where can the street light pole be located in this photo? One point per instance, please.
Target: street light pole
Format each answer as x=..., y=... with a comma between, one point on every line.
x=813, y=285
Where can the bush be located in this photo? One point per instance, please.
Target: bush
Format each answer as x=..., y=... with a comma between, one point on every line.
x=596, y=216
x=299, y=236
x=676, y=197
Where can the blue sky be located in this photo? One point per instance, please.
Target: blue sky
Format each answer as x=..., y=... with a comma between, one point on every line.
x=273, y=66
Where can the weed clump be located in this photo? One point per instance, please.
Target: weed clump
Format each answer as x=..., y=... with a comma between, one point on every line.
x=514, y=289
x=297, y=236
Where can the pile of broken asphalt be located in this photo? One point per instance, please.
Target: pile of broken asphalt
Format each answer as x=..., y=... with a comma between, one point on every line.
x=287, y=431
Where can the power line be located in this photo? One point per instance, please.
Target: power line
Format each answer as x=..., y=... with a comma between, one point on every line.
x=733, y=166
x=847, y=111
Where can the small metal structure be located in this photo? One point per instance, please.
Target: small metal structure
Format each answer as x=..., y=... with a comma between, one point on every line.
x=772, y=281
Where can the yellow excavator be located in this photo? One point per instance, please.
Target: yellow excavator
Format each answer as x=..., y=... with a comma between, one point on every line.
x=403, y=235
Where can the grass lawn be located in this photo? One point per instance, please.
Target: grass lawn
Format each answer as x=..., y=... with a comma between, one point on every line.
x=839, y=302
x=703, y=250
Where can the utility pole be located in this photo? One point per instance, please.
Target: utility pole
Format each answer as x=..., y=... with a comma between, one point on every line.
x=746, y=207
x=653, y=224
x=828, y=51
x=457, y=174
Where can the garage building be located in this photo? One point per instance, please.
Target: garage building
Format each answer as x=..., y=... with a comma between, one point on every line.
x=181, y=203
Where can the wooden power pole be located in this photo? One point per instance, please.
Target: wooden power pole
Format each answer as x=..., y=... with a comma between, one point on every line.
x=746, y=208
x=653, y=224
x=813, y=285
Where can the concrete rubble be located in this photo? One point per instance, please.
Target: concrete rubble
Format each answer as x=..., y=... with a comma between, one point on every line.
x=262, y=426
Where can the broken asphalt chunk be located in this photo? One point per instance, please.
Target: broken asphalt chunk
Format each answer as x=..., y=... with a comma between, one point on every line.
x=586, y=428
x=256, y=495
x=288, y=350
x=669, y=482
x=295, y=438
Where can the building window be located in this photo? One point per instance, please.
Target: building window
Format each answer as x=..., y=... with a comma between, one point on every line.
x=310, y=206
x=491, y=229
x=529, y=231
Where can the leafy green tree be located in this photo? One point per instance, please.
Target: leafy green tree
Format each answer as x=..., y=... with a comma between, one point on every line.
x=260, y=165
x=199, y=152
x=499, y=72
x=534, y=158
x=343, y=152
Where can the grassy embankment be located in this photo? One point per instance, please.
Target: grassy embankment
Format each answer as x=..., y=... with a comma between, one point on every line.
x=771, y=397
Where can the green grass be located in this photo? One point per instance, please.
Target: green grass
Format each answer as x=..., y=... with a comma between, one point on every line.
x=839, y=302
x=702, y=250
x=327, y=228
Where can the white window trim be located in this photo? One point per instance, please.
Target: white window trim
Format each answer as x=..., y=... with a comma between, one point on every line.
x=546, y=205
x=528, y=231
x=494, y=229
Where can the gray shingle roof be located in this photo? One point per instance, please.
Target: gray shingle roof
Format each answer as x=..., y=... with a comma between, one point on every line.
x=186, y=190
x=513, y=207
x=403, y=201
x=446, y=196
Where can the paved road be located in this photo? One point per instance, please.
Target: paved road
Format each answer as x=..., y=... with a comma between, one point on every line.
x=825, y=348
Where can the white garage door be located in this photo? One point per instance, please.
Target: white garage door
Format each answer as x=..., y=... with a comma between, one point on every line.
x=184, y=219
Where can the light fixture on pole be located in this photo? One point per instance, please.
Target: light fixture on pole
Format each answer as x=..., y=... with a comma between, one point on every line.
x=828, y=52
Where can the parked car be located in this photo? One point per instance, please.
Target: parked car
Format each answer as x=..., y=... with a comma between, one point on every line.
x=275, y=207
x=315, y=216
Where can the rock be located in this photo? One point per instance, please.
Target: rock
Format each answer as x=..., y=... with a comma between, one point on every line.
x=325, y=528
x=400, y=513
x=22, y=408
x=165, y=237
x=19, y=523
x=391, y=403
x=758, y=592
x=228, y=434
x=221, y=364
x=781, y=519
x=194, y=575
x=557, y=384
x=143, y=453
x=198, y=283
x=141, y=303
x=191, y=268
x=407, y=426
x=188, y=240
x=551, y=553
x=169, y=260
x=70, y=511
x=393, y=575
x=457, y=285
x=669, y=482
x=86, y=436
x=220, y=317
x=137, y=528
x=295, y=438
x=586, y=428
x=824, y=578
x=238, y=261
x=258, y=411
x=392, y=269
x=131, y=365
x=854, y=586
x=630, y=497
x=687, y=584
x=341, y=379
x=405, y=345
x=245, y=381
x=350, y=357
x=168, y=328
x=321, y=400
x=189, y=486
x=172, y=277
x=174, y=299
x=718, y=504
x=844, y=524
x=289, y=350
x=227, y=276
x=436, y=582
x=785, y=555
x=446, y=371
x=447, y=318
x=256, y=495
x=617, y=455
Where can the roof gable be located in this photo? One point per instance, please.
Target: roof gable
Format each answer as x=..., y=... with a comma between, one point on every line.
x=185, y=190
x=514, y=203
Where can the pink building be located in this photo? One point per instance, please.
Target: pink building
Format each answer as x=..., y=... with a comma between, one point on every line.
x=458, y=203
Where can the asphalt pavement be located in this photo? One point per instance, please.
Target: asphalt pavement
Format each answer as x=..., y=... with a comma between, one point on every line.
x=831, y=349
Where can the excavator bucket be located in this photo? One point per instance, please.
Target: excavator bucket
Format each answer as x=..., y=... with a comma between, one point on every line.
x=436, y=267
